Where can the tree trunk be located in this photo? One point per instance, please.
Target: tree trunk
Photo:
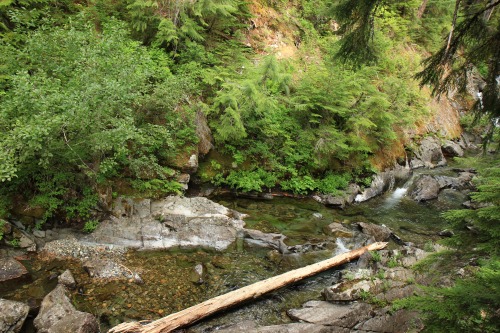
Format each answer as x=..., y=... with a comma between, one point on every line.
x=421, y=8
x=222, y=302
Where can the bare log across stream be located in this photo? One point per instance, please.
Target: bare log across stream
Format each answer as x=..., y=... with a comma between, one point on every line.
x=222, y=302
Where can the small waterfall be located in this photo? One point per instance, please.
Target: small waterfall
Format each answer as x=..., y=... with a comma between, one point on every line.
x=341, y=248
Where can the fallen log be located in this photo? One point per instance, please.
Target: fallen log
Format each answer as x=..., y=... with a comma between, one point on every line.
x=222, y=302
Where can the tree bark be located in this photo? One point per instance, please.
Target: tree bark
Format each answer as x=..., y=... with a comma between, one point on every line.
x=222, y=302
x=421, y=8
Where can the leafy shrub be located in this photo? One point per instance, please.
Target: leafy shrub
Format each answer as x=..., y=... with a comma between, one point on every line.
x=332, y=183
x=90, y=226
x=299, y=184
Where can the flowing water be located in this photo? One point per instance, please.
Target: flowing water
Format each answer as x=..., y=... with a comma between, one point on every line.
x=169, y=284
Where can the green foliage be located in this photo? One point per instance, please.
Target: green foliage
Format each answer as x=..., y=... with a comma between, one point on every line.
x=468, y=306
x=90, y=226
x=485, y=218
x=15, y=242
x=156, y=188
x=82, y=108
x=375, y=256
x=2, y=224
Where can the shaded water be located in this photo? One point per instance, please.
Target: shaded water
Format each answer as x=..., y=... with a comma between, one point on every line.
x=168, y=275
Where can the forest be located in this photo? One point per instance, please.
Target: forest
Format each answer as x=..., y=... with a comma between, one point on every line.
x=303, y=97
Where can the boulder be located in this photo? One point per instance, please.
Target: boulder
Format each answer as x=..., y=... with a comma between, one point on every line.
x=326, y=313
x=57, y=315
x=12, y=316
x=204, y=134
x=67, y=279
x=424, y=188
x=259, y=238
x=170, y=222
x=380, y=232
x=384, y=321
x=351, y=290
x=109, y=270
x=338, y=230
x=340, y=201
x=11, y=270
x=452, y=149
x=383, y=182
x=396, y=291
x=428, y=154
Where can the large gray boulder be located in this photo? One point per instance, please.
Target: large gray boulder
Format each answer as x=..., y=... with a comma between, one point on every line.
x=58, y=315
x=12, y=315
x=424, y=188
x=428, y=154
x=379, y=232
x=452, y=149
x=170, y=222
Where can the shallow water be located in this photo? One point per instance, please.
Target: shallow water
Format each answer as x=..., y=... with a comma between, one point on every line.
x=168, y=275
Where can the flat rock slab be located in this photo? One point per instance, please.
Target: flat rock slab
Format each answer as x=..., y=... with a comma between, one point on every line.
x=252, y=327
x=326, y=313
x=400, y=321
x=12, y=316
x=170, y=222
x=11, y=269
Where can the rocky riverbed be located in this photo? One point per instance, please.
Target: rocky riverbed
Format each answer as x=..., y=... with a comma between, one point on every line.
x=154, y=257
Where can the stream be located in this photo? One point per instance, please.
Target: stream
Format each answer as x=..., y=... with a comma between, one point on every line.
x=170, y=283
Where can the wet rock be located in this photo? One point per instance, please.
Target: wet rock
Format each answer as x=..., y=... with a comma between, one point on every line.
x=57, y=315
x=259, y=238
x=383, y=182
x=428, y=154
x=380, y=232
x=318, y=216
x=424, y=188
x=326, y=313
x=384, y=321
x=109, y=270
x=12, y=316
x=338, y=230
x=446, y=233
x=452, y=149
x=67, y=279
x=11, y=270
x=351, y=290
x=198, y=274
x=340, y=201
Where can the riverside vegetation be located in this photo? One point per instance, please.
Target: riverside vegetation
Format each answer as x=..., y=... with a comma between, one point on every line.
x=106, y=95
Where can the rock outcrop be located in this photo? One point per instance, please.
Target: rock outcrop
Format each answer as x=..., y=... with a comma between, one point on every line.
x=11, y=270
x=58, y=315
x=171, y=222
x=428, y=154
x=12, y=316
